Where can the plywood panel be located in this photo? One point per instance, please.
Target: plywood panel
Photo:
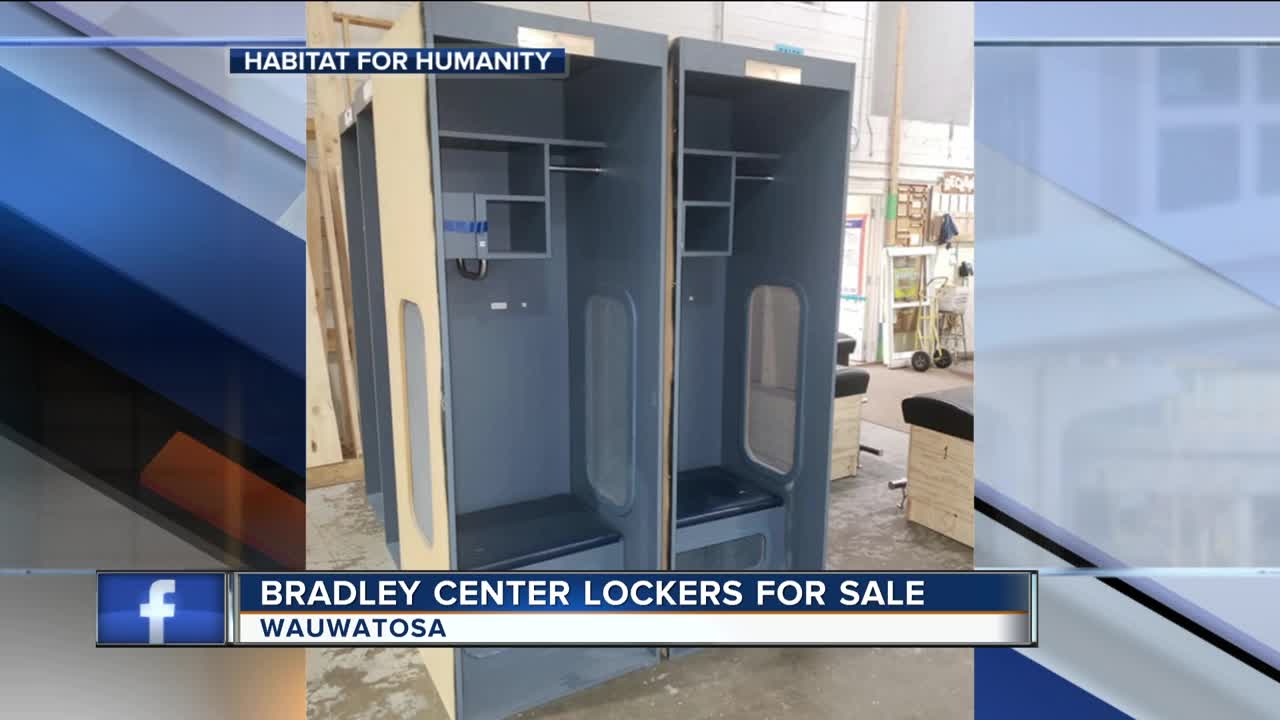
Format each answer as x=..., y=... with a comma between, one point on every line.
x=409, y=274
x=940, y=483
x=955, y=526
x=846, y=436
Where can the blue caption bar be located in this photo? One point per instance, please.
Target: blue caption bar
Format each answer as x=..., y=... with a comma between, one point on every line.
x=551, y=62
x=637, y=592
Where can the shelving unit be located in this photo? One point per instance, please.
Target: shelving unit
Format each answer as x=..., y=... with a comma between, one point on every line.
x=708, y=181
x=761, y=173
x=497, y=191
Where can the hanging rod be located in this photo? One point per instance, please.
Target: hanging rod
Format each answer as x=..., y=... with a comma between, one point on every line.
x=765, y=178
x=570, y=168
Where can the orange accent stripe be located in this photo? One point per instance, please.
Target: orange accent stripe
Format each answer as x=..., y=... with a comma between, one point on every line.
x=224, y=494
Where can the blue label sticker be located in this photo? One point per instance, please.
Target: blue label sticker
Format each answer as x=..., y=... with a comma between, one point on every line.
x=466, y=226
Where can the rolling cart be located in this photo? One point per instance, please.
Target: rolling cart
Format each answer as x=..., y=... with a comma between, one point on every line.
x=932, y=351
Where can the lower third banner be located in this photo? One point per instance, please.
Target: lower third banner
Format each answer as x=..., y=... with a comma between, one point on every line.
x=644, y=609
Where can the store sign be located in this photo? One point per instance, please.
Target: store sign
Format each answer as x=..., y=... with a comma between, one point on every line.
x=957, y=183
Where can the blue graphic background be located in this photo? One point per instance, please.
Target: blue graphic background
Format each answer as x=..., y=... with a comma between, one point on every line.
x=199, y=614
x=1131, y=281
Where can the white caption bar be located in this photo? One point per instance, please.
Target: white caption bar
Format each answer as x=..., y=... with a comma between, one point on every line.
x=653, y=629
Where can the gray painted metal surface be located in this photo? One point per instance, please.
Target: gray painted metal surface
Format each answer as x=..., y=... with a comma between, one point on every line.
x=364, y=249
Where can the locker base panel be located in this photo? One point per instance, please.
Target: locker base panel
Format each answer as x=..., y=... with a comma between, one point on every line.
x=499, y=682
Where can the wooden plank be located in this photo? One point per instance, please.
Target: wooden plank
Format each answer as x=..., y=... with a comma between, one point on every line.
x=407, y=212
x=345, y=20
x=895, y=130
x=324, y=447
x=315, y=244
x=669, y=337
x=348, y=19
x=343, y=262
x=347, y=471
x=328, y=104
x=329, y=100
x=346, y=363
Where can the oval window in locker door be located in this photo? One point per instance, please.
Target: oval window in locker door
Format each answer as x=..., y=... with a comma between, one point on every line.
x=609, y=395
x=773, y=353
x=415, y=367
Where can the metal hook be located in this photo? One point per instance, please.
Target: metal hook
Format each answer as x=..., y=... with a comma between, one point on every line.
x=478, y=274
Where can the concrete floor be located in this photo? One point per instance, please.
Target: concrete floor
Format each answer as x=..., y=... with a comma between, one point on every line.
x=866, y=531
x=889, y=386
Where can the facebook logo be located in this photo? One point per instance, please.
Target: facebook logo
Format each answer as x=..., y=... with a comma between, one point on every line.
x=174, y=608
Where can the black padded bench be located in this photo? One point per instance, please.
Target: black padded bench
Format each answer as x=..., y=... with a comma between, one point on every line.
x=851, y=381
x=949, y=412
x=844, y=348
x=526, y=533
x=714, y=493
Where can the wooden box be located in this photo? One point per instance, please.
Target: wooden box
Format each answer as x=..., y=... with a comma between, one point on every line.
x=940, y=483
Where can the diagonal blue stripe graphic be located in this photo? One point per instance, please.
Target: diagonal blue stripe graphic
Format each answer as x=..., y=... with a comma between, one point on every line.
x=130, y=49
x=1008, y=684
x=1229, y=272
x=150, y=339
x=151, y=271
x=167, y=231
x=1167, y=139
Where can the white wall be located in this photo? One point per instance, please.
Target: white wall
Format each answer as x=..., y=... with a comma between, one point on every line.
x=837, y=30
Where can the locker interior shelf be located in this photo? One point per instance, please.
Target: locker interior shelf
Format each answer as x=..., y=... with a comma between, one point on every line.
x=493, y=141
x=508, y=217
x=708, y=228
x=708, y=198
x=732, y=153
